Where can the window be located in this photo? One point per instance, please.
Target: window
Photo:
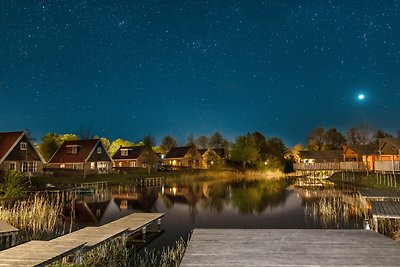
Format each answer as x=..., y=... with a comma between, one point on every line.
x=132, y=164
x=62, y=166
x=77, y=166
x=24, y=166
x=32, y=166
x=99, y=150
x=144, y=165
x=120, y=164
x=92, y=165
x=13, y=166
x=72, y=149
x=22, y=145
x=124, y=152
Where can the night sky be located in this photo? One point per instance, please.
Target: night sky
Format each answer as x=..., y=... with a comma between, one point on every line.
x=130, y=68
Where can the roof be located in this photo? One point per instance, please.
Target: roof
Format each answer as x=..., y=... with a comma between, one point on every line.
x=86, y=147
x=327, y=155
x=394, y=142
x=133, y=152
x=8, y=140
x=220, y=152
x=371, y=149
x=202, y=151
x=178, y=152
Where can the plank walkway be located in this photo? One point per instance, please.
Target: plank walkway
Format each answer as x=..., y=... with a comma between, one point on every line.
x=41, y=253
x=290, y=247
x=380, y=194
x=386, y=209
x=7, y=235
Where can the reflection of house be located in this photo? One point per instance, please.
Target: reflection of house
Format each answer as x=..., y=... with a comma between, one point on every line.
x=186, y=156
x=359, y=157
x=389, y=155
x=141, y=200
x=184, y=195
x=210, y=158
x=134, y=156
x=18, y=153
x=87, y=155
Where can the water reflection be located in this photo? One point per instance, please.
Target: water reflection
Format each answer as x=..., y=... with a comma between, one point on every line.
x=221, y=204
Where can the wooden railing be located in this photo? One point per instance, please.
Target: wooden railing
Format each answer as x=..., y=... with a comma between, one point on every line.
x=387, y=166
x=346, y=166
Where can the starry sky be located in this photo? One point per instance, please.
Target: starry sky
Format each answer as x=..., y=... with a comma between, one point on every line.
x=130, y=68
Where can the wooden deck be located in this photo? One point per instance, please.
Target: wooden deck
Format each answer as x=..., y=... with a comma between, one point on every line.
x=290, y=247
x=37, y=253
x=40, y=253
x=386, y=209
x=380, y=194
x=7, y=235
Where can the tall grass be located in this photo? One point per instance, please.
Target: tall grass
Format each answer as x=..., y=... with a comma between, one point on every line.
x=37, y=218
x=13, y=184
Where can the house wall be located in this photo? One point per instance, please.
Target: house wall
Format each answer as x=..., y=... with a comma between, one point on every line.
x=6, y=165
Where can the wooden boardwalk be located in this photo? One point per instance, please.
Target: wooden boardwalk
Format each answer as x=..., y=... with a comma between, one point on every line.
x=290, y=247
x=40, y=253
x=7, y=235
x=380, y=194
x=386, y=209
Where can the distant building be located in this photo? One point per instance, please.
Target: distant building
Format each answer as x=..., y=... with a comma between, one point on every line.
x=135, y=157
x=18, y=153
x=389, y=155
x=364, y=155
x=320, y=156
x=185, y=156
x=90, y=156
x=210, y=157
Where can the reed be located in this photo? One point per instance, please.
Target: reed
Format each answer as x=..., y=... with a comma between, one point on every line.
x=37, y=218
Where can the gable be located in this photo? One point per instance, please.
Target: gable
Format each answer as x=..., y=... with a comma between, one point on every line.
x=17, y=154
x=99, y=154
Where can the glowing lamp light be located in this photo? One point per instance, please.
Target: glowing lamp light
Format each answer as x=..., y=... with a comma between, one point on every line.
x=361, y=97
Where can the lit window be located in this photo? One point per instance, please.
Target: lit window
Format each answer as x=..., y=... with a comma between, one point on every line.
x=24, y=166
x=23, y=145
x=99, y=150
x=120, y=164
x=77, y=166
x=13, y=166
x=32, y=166
x=62, y=166
x=124, y=152
x=92, y=165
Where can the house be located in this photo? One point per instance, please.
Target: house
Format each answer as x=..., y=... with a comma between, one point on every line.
x=18, y=153
x=184, y=156
x=389, y=155
x=359, y=157
x=90, y=156
x=210, y=157
x=135, y=157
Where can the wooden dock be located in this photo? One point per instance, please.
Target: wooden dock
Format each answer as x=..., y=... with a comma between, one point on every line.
x=40, y=253
x=7, y=235
x=290, y=247
x=380, y=194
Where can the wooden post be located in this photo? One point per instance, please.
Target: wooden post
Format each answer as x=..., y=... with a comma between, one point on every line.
x=375, y=223
x=13, y=238
x=144, y=232
x=159, y=224
x=78, y=257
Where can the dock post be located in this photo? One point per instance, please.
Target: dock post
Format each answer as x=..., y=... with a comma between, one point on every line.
x=144, y=232
x=159, y=224
x=78, y=257
x=13, y=238
x=375, y=222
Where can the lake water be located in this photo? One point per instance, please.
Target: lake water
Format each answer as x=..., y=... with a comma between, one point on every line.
x=220, y=204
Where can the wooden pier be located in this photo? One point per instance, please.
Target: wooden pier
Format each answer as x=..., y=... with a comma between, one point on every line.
x=7, y=235
x=40, y=253
x=380, y=194
x=290, y=247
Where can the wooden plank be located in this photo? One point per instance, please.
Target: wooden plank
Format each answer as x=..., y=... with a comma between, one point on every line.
x=290, y=247
x=386, y=209
x=380, y=194
x=37, y=253
x=7, y=228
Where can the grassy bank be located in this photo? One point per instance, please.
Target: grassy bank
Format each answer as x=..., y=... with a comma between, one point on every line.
x=41, y=182
x=362, y=179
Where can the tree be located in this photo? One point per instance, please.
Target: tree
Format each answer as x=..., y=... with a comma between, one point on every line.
x=202, y=141
x=85, y=134
x=334, y=139
x=276, y=148
x=116, y=144
x=244, y=150
x=150, y=158
x=316, y=139
x=380, y=134
x=362, y=135
x=216, y=140
x=190, y=140
x=167, y=143
x=106, y=143
x=52, y=141
x=353, y=136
